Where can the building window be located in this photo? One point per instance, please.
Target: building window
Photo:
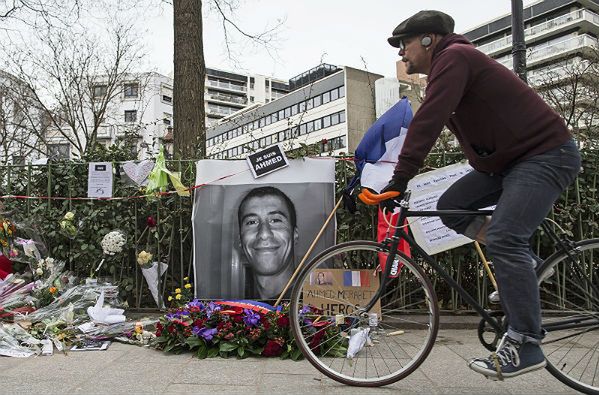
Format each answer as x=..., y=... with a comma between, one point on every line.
x=167, y=118
x=342, y=91
x=59, y=151
x=167, y=99
x=131, y=90
x=130, y=115
x=334, y=119
x=326, y=122
x=99, y=91
x=334, y=94
x=326, y=97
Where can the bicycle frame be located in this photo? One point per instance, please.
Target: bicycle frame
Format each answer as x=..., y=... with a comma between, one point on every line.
x=400, y=233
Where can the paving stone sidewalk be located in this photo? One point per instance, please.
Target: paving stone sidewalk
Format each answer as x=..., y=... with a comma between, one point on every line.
x=132, y=370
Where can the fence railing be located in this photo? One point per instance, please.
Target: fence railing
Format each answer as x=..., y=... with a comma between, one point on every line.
x=48, y=192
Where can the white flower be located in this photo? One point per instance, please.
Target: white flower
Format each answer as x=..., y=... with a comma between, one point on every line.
x=49, y=263
x=113, y=242
x=69, y=216
x=39, y=271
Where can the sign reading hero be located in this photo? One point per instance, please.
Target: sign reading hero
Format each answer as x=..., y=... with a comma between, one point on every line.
x=268, y=160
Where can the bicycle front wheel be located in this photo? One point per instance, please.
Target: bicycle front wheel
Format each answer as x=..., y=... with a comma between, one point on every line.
x=357, y=347
x=569, y=291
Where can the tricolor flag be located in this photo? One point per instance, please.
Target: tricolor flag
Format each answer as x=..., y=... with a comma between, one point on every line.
x=376, y=156
x=356, y=278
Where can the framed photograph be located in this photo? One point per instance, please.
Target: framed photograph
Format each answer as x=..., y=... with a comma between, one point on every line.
x=250, y=234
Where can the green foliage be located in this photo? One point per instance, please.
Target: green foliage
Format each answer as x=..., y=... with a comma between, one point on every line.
x=40, y=220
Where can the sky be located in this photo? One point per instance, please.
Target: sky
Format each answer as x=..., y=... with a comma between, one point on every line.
x=340, y=32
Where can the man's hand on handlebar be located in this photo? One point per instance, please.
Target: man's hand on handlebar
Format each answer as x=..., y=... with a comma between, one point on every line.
x=388, y=198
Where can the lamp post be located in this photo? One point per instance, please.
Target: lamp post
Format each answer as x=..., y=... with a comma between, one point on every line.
x=518, y=42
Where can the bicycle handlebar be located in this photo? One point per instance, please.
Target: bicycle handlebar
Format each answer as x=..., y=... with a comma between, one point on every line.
x=371, y=198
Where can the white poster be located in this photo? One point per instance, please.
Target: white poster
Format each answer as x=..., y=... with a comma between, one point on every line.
x=99, y=180
x=250, y=234
x=427, y=188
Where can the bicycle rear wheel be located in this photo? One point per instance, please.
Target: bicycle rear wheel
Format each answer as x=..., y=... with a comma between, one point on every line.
x=569, y=290
x=327, y=307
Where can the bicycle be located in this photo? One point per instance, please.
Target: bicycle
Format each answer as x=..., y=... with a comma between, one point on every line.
x=401, y=319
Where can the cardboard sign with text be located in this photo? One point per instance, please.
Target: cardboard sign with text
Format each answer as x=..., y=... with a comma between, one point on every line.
x=327, y=288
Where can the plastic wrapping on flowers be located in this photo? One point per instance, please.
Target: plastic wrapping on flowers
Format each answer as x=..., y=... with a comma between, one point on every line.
x=211, y=330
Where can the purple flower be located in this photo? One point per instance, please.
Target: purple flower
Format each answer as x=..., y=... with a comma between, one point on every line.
x=305, y=309
x=205, y=333
x=196, y=303
x=250, y=318
x=212, y=308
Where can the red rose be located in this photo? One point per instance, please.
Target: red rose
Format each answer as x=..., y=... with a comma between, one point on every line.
x=171, y=329
x=272, y=349
x=199, y=323
x=220, y=325
x=151, y=222
x=283, y=321
x=238, y=319
x=315, y=343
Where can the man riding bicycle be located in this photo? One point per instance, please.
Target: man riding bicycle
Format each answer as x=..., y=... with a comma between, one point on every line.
x=523, y=158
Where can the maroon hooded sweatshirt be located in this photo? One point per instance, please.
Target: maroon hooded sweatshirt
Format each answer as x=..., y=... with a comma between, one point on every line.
x=496, y=117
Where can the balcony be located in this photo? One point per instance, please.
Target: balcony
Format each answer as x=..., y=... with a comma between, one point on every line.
x=555, y=73
x=531, y=33
x=226, y=85
x=242, y=101
x=536, y=55
x=219, y=110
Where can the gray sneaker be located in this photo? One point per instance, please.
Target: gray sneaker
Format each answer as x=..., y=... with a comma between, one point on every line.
x=511, y=359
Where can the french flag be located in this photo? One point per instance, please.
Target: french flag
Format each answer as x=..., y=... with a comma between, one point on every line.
x=376, y=157
x=356, y=278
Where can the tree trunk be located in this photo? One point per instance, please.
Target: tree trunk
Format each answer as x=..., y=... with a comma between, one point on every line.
x=189, y=73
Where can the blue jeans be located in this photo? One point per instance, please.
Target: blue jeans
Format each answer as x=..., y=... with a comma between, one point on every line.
x=524, y=195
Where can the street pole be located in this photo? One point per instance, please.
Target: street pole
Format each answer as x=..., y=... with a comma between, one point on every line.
x=518, y=43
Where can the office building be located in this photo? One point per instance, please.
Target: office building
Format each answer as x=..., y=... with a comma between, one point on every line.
x=330, y=108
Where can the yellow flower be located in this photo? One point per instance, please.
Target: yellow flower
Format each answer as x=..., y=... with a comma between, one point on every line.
x=144, y=258
x=52, y=290
x=178, y=296
x=178, y=290
x=170, y=298
x=185, y=278
x=187, y=286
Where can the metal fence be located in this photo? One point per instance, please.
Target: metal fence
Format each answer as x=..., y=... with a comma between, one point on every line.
x=43, y=194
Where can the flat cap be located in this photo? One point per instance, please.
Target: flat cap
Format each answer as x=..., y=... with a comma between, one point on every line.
x=427, y=21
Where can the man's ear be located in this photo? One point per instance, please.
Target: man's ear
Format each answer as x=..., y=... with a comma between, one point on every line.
x=295, y=235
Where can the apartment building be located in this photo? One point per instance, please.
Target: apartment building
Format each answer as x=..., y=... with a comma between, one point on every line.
x=556, y=31
x=330, y=107
x=226, y=92
x=140, y=110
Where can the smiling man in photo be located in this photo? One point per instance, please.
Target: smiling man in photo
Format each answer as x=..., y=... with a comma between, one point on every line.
x=268, y=233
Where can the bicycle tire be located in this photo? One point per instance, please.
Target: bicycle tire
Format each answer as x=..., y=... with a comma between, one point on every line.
x=569, y=294
x=402, y=339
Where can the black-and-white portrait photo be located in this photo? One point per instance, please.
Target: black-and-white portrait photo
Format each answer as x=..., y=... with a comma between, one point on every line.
x=250, y=234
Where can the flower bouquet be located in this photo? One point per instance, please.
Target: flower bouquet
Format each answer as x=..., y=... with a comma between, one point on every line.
x=152, y=271
x=67, y=225
x=8, y=231
x=112, y=243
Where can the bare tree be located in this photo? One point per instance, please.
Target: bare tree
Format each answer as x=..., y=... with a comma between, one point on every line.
x=190, y=69
x=17, y=111
x=572, y=89
x=75, y=77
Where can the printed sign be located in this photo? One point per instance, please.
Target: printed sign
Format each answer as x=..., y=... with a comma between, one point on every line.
x=268, y=160
x=99, y=180
x=430, y=232
x=327, y=288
